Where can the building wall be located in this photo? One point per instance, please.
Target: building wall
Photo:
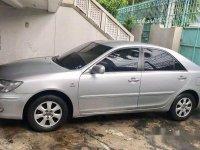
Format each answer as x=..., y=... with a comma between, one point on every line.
x=35, y=33
x=166, y=37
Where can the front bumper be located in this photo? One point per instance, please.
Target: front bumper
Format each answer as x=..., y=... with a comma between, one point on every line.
x=12, y=105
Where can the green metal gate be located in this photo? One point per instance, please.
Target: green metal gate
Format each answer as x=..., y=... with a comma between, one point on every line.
x=146, y=32
x=190, y=44
x=181, y=13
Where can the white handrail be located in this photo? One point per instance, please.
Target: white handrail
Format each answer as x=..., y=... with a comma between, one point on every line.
x=103, y=19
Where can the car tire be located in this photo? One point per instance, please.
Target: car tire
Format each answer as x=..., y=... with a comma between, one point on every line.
x=182, y=107
x=47, y=113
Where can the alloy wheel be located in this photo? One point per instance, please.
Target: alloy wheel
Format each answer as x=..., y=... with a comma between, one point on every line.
x=48, y=114
x=184, y=107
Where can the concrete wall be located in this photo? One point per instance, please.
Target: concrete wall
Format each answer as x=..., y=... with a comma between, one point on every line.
x=137, y=32
x=35, y=33
x=166, y=37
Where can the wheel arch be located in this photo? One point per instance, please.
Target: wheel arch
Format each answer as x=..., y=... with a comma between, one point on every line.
x=66, y=99
x=193, y=93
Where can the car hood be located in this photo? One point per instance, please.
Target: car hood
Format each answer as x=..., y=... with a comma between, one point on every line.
x=29, y=67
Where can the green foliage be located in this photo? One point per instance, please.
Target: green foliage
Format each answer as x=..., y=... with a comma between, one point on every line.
x=138, y=1
x=112, y=6
x=130, y=23
x=131, y=2
x=185, y=15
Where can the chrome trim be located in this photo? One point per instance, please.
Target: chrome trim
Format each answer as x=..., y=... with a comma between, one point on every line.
x=110, y=95
x=157, y=93
x=108, y=110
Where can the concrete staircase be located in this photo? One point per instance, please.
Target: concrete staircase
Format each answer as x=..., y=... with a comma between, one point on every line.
x=100, y=18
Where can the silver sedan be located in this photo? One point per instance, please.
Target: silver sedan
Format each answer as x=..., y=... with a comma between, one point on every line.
x=101, y=77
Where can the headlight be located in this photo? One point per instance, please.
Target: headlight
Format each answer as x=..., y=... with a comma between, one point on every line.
x=7, y=86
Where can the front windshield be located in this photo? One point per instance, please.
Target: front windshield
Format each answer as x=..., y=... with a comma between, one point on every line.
x=81, y=55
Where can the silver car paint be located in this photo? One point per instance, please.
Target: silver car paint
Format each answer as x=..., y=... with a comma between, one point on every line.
x=101, y=93
x=108, y=92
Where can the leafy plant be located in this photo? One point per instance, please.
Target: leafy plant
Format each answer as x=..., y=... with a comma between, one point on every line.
x=130, y=23
x=112, y=6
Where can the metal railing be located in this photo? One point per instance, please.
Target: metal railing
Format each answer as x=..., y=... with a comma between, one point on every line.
x=103, y=20
x=167, y=12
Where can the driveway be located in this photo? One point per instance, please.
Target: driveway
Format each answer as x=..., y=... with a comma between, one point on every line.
x=129, y=131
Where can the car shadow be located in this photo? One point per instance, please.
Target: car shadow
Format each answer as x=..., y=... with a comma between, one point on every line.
x=105, y=119
x=120, y=117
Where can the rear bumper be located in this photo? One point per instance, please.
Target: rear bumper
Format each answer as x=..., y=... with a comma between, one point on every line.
x=198, y=106
x=12, y=105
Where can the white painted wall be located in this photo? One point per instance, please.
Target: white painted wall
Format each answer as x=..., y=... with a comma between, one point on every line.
x=48, y=5
x=35, y=33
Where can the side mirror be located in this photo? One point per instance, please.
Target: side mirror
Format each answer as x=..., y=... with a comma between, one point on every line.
x=98, y=69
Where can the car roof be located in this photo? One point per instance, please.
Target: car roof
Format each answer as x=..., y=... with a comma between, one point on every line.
x=114, y=44
x=121, y=44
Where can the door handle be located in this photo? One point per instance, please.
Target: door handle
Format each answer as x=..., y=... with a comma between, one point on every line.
x=182, y=78
x=133, y=80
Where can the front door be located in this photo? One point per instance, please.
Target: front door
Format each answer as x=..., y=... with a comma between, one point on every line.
x=114, y=91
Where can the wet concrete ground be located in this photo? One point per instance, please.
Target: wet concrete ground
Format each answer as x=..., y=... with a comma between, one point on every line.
x=129, y=132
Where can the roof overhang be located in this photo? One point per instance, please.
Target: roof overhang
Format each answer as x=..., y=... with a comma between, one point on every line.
x=49, y=5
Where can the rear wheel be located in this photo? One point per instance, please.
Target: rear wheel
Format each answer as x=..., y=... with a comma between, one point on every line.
x=182, y=107
x=47, y=113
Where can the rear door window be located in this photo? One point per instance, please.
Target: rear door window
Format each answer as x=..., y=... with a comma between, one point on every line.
x=159, y=60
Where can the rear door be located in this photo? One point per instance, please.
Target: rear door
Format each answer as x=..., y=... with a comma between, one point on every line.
x=162, y=76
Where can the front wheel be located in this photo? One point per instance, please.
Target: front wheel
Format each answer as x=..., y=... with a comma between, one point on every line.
x=182, y=107
x=47, y=113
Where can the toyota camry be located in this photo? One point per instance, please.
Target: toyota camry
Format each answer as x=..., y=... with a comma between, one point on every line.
x=100, y=77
